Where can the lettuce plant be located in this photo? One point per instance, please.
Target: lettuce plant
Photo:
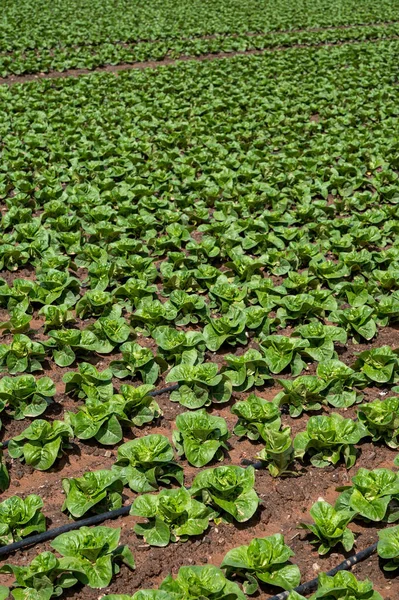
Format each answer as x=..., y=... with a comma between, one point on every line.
x=20, y=518
x=321, y=339
x=24, y=396
x=104, y=420
x=200, y=437
x=388, y=547
x=56, y=285
x=92, y=554
x=329, y=527
x=264, y=559
x=340, y=381
x=328, y=438
x=381, y=418
x=65, y=343
x=206, y=581
x=229, y=328
x=278, y=452
x=172, y=515
x=378, y=365
x=89, y=383
x=248, y=370
x=18, y=321
x=172, y=343
x=137, y=360
x=344, y=586
x=281, y=351
x=304, y=393
x=147, y=462
x=94, y=303
x=255, y=415
x=22, y=355
x=150, y=313
x=373, y=495
x=95, y=491
x=305, y=305
x=40, y=444
x=199, y=385
x=42, y=579
x=56, y=316
x=358, y=321
x=110, y=330
x=229, y=490
x=191, y=308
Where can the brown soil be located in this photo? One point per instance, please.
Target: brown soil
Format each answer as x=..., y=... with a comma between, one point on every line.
x=14, y=79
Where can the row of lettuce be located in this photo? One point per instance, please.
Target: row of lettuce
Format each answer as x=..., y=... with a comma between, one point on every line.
x=102, y=414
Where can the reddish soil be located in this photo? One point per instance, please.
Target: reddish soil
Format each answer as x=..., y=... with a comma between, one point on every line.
x=285, y=502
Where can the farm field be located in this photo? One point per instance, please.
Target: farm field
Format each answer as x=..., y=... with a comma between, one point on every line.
x=199, y=299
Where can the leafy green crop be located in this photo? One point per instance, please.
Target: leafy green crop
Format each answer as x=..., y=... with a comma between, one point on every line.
x=146, y=462
x=281, y=352
x=304, y=393
x=229, y=490
x=373, y=495
x=22, y=355
x=344, y=585
x=42, y=579
x=40, y=444
x=200, y=437
x=255, y=417
x=330, y=527
x=24, y=396
x=20, y=518
x=136, y=359
x=378, y=365
x=388, y=547
x=248, y=370
x=199, y=385
x=103, y=420
x=278, y=452
x=206, y=582
x=264, y=559
x=328, y=439
x=381, y=417
x=172, y=515
x=92, y=554
x=95, y=491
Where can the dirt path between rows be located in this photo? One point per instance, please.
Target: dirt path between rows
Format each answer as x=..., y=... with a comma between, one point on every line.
x=14, y=79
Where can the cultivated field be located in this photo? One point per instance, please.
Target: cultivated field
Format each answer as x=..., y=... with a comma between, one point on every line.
x=199, y=299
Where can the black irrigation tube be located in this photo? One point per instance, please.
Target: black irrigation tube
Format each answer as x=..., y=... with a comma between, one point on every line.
x=52, y=533
x=309, y=586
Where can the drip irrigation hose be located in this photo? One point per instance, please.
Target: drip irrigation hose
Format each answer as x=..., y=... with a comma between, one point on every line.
x=52, y=533
x=171, y=388
x=309, y=586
